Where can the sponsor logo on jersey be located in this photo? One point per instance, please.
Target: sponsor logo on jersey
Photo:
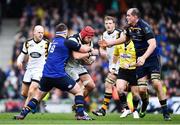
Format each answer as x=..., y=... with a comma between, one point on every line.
x=69, y=86
x=35, y=55
x=125, y=56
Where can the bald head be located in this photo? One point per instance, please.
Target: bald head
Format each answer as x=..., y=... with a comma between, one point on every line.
x=132, y=16
x=38, y=33
x=134, y=12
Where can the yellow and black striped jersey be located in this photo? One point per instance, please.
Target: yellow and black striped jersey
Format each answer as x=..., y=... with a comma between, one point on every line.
x=37, y=52
x=126, y=53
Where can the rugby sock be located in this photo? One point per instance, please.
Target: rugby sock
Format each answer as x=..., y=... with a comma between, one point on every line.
x=164, y=106
x=123, y=100
x=106, y=101
x=31, y=105
x=135, y=102
x=79, y=101
x=145, y=101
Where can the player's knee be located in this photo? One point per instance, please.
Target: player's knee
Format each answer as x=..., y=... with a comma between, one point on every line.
x=111, y=79
x=142, y=90
x=142, y=86
x=32, y=91
x=121, y=89
x=135, y=93
x=24, y=94
x=76, y=90
x=108, y=86
x=93, y=86
x=90, y=87
x=157, y=85
x=89, y=83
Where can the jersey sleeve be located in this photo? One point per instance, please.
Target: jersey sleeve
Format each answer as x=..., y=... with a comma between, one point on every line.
x=148, y=32
x=118, y=33
x=72, y=45
x=25, y=48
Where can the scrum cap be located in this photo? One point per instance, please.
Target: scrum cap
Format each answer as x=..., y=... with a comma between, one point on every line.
x=87, y=31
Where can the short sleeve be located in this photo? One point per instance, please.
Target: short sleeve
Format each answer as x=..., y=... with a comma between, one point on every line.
x=72, y=45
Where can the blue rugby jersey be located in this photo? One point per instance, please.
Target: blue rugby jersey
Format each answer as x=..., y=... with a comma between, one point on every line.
x=58, y=55
x=140, y=34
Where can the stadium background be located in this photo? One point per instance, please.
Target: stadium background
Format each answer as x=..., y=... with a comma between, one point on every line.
x=17, y=18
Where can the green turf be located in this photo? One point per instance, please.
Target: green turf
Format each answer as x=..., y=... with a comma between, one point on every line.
x=60, y=118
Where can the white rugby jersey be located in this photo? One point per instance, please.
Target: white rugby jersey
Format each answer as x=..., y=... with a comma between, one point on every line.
x=37, y=53
x=111, y=36
x=74, y=62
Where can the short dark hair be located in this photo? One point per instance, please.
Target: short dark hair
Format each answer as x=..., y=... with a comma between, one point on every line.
x=61, y=27
x=135, y=12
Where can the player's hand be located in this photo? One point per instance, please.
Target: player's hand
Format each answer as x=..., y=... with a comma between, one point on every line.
x=103, y=43
x=126, y=66
x=103, y=52
x=94, y=52
x=112, y=68
x=140, y=61
x=19, y=65
x=113, y=71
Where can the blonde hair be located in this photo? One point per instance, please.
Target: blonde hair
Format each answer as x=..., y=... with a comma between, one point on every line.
x=110, y=18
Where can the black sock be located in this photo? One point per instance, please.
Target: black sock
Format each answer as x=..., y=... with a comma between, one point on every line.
x=31, y=105
x=79, y=101
x=123, y=101
x=145, y=101
x=164, y=106
x=135, y=102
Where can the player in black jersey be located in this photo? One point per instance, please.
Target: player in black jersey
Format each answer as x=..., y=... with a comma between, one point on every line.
x=148, y=57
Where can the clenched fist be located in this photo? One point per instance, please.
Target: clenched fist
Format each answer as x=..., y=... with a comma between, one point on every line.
x=103, y=43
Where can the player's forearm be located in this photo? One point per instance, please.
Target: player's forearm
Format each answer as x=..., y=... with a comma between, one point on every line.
x=120, y=40
x=151, y=48
x=21, y=57
x=78, y=55
x=84, y=49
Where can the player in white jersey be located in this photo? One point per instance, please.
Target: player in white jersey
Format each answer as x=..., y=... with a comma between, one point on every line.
x=75, y=67
x=110, y=34
x=36, y=49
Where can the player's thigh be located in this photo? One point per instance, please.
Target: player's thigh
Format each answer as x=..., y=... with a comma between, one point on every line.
x=135, y=90
x=143, y=84
x=121, y=85
x=76, y=90
x=87, y=80
x=34, y=86
x=65, y=83
x=72, y=72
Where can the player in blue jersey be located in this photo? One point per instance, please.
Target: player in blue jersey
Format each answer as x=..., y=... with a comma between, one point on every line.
x=148, y=57
x=54, y=74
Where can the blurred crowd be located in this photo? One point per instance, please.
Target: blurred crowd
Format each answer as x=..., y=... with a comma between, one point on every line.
x=162, y=15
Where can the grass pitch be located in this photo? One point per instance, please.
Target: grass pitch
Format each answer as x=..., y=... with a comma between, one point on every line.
x=68, y=118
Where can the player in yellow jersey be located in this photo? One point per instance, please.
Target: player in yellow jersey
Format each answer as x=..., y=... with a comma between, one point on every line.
x=127, y=74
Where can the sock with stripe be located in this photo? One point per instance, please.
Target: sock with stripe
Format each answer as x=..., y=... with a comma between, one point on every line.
x=79, y=102
x=31, y=105
x=106, y=101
